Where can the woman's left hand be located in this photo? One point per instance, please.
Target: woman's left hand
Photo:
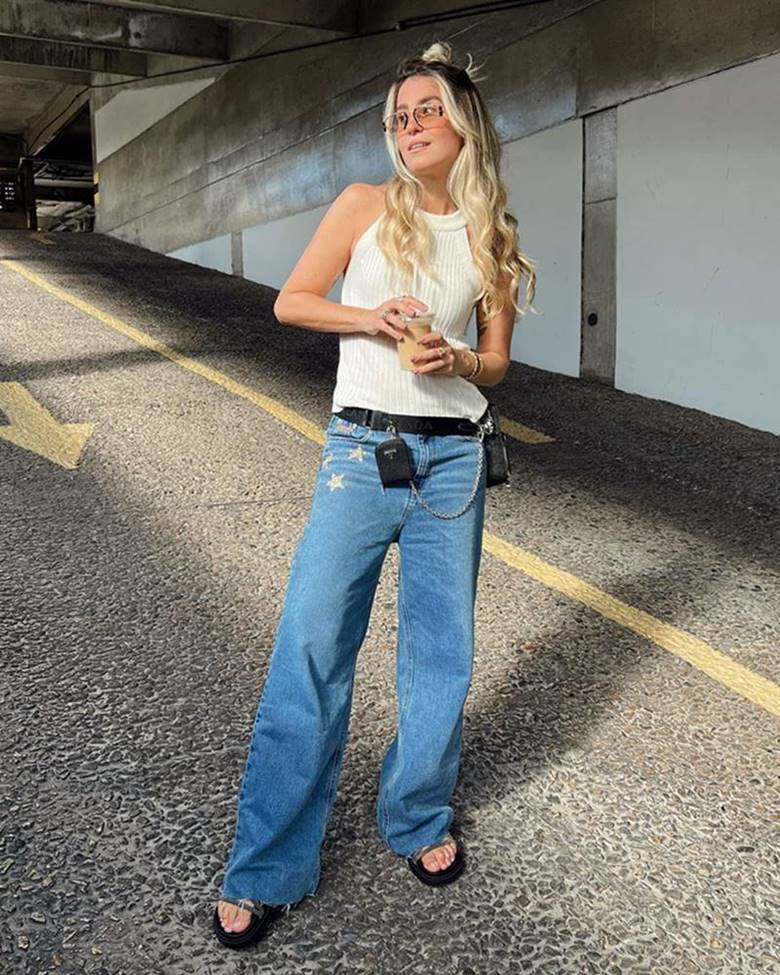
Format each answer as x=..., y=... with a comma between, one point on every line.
x=439, y=356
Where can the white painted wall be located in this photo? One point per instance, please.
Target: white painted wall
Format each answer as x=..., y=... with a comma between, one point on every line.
x=543, y=173
x=133, y=110
x=698, y=216
x=271, y=250
x=214, y=253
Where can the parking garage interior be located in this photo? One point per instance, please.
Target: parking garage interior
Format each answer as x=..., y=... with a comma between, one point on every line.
x=163, y=165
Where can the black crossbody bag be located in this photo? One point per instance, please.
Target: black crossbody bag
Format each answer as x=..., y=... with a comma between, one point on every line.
x=496, y=456
x=395, y=465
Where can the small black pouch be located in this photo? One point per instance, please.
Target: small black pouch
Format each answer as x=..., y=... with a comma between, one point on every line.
x=496, y=456
x=394, y=461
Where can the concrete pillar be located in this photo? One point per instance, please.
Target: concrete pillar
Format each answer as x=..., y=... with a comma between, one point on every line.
x=237, y=254
x=599, y=230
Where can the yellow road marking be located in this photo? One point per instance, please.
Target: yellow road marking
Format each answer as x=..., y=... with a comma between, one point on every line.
x=281, y=412
x=33, y=428
x=720, y=667
x=527, y=434
x=41, y=237
x=699, y=654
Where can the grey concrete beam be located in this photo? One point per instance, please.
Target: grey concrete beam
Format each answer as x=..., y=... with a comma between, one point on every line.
x=247, y=39
x=75, y=58
x=630, y=48
x=332, y=15
x=32, y=72
x=378, y=16
x=111, y=27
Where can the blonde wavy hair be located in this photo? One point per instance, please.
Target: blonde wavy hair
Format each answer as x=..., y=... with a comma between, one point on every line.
x=474, y=184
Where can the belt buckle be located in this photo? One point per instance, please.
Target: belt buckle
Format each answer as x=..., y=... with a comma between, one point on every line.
x=383, y=421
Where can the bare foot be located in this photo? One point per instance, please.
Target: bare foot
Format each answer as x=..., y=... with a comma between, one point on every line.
x=440, y=858
x=233, y=918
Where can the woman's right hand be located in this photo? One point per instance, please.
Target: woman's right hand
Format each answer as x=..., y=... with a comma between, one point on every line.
x=387, y=316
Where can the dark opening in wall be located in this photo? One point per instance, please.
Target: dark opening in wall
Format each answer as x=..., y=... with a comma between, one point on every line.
x=62, y=174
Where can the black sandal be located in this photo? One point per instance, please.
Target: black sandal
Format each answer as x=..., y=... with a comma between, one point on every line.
x=436, y=878
x=262, y=915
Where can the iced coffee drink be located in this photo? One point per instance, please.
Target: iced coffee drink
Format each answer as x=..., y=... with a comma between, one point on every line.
x=408, y=346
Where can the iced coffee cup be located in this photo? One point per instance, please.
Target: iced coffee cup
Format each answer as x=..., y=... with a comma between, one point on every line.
x=409, y=345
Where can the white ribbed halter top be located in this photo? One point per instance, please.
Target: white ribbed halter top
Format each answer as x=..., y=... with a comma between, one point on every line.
x=369, y=374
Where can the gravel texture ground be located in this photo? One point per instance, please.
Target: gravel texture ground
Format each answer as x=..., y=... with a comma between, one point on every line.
x=619, y=807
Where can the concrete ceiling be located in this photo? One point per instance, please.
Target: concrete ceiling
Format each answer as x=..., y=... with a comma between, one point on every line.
x=51, y=51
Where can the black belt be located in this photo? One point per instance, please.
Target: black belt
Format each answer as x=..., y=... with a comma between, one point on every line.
x=435, y=426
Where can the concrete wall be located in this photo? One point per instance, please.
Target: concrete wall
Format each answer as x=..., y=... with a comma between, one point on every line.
x=698, y=245
x=272, y=249
x=263, y=150
x=543, y=174
x=214, y=253
x=131, y=112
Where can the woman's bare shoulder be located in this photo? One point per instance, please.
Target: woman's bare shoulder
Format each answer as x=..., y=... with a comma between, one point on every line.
x=366, y=197
x=368, y=204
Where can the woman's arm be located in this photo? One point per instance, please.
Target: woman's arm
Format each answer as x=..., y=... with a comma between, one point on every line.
x=494, y=339
x=301, y=301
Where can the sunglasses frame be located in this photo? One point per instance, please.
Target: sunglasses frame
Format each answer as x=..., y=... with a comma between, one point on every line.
x=439, y=113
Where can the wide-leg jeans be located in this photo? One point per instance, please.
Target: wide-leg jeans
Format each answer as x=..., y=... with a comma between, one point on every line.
x=303, y=715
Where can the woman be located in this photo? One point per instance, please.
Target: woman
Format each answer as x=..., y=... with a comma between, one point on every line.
x=435, y=236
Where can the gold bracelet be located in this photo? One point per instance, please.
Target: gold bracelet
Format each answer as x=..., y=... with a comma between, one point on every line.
x=475, y=368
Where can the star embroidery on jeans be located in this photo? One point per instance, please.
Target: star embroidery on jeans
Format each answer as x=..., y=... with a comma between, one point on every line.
x=357, y=454
x=327, y=460
x=336, y=481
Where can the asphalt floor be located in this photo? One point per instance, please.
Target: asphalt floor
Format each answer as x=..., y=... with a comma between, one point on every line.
x=618, y=793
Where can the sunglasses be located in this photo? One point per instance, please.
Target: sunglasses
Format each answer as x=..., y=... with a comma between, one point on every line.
x=425, y=116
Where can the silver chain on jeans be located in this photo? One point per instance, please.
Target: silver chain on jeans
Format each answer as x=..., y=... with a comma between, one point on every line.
x=475, y=486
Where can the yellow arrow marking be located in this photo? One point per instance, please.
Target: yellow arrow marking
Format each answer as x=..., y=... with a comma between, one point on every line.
x=526, y=434
x=719, y=666
x=34, y=428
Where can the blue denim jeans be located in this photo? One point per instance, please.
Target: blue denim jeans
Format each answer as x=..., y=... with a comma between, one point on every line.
x=302, y=720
